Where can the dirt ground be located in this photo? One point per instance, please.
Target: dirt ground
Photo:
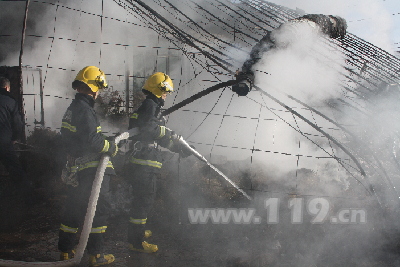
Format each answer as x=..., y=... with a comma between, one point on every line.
x=30, y=232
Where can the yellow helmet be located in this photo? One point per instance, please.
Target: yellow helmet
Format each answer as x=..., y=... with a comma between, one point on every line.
x=93, y=77
x=159, y=83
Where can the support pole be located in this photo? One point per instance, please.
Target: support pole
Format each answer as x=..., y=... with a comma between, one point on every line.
x=21, y=90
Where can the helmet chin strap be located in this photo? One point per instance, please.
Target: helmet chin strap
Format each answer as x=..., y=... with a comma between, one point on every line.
x=95, y=94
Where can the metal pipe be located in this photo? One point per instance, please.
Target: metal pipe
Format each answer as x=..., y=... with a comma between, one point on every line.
x=41, y=99
x=21, y=91
x=23, y=33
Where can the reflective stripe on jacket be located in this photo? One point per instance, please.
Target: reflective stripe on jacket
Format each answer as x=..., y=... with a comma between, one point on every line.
x=81, y=132
x=152, y=130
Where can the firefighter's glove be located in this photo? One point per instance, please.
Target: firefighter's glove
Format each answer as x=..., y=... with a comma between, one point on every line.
x=113, y=149
x=185, y=151
x=182, y=147
x=167, y=139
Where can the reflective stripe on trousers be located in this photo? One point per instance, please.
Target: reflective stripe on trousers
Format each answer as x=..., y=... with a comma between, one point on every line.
x=91, y=164
x=68, y=229
x=145, y=162
x=137, y=221
x=72, y=230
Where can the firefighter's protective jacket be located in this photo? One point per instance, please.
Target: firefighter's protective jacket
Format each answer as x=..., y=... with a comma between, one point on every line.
x=146, y=118
x=152, y=130
x=11, y=125
x=81, y=134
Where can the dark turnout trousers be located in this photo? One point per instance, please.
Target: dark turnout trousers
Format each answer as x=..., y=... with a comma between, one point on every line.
x=143, y=170
x=75, y=210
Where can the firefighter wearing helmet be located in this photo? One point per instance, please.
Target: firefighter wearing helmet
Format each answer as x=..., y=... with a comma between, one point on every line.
x=84, y=144
x=143, y=162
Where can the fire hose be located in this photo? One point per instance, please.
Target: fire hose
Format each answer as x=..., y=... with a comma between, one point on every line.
x=91, y=209
x=199, y=95
x=242, y=87
x=202, y=158
x=184, y=143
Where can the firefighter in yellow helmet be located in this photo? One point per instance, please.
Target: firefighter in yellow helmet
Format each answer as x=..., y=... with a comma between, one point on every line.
x=84, y=143
x=144, y=160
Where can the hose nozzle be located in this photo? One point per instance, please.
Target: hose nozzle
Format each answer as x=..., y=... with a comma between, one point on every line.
x=245, y=84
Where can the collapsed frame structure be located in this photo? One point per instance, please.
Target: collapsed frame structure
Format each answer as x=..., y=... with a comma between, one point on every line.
x=211, y=34
x=368, y=72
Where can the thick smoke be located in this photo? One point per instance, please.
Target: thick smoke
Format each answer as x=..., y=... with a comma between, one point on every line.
x=304, y=67
x=310, y=71
x=61, y=39
x=12, y=15
x=370, y=20
x=298, y=66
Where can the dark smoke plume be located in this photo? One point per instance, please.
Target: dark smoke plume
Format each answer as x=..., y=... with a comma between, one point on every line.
x=12, y=16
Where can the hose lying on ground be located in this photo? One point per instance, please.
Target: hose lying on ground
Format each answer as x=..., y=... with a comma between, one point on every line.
x=87, y=225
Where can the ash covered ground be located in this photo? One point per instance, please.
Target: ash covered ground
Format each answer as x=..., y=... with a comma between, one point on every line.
x=30, y=233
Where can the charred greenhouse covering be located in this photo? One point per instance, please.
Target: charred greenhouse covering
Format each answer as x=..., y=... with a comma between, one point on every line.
x=284, y=149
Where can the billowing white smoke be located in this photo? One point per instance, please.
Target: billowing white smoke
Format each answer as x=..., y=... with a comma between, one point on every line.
x=302, y=65
x=371, y=20
x=306, y=66
x=60, y=40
